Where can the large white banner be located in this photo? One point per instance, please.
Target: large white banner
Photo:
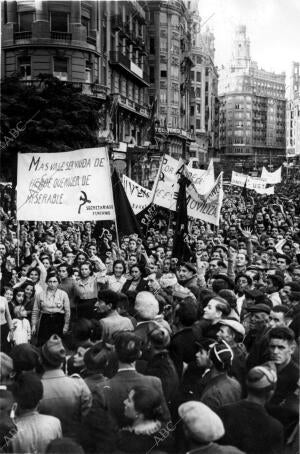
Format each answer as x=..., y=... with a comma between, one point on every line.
x=271, y=177
x=67, y=186
x=238, y=179
x=210, y=209
x=254, y=183
x=138, y=196
x=167, y=187
x=204, y=180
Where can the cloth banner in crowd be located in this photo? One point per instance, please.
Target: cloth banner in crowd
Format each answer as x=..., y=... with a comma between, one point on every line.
x=254, y=183
x=271, y=177
x=67, y=186
x=210, y=209
x=138, y=196
x=204, y=180
x=266, y=191
x=238, y=179
x=167, y=187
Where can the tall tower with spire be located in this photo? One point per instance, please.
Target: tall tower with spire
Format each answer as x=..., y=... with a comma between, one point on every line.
x=241, y=49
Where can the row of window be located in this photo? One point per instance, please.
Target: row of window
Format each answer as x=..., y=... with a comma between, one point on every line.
x=59, y=21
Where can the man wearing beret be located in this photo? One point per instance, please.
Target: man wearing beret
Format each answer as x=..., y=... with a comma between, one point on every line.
x=247, y=424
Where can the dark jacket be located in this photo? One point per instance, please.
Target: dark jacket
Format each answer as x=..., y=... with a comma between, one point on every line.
x=161, y=366
x=250, y=428
x=116, y=390
x=183, y=348
x=287, y=380
x=221, y=390
x=130, y=442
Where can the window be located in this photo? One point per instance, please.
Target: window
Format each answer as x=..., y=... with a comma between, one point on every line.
x=174, y=19
x=59, y=22
x=198, y=76
x=163, y=44
x=198, y=124
x=163, y=18
x=192, y=111
x=192, y=75
x=61, y=68
x=25, y=68
x=163, y=70
x=198, y=59
x=88, y=72
x=198, y=92
x=152, y=46
x=151, y=75
x=25, y=21
x=163, y=95
x=86, y=23
x=175, y=71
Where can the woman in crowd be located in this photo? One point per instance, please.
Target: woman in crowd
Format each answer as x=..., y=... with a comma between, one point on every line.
x=87, y=291
x=116, y=281
x=143, y=407
x=5, y=325
x=134, y=285
x=51, y=311
x=29, y=294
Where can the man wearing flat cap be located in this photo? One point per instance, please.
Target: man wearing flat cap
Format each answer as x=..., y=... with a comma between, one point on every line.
x=233, y=332
x=247, y=424
x=256, y=341
x=202, y=428
x=187, y=277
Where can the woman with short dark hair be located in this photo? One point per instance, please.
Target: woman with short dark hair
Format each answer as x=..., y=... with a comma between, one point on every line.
x=143, y=407
x=51, y=311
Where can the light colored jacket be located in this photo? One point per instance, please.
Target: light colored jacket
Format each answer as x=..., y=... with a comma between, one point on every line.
x=35, y=431
x=67, y=398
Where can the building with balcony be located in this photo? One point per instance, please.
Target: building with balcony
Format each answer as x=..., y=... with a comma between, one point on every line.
x=204, y=91
x=252, y=111
x=169, y=76
x=293, y=113
x=98, y=46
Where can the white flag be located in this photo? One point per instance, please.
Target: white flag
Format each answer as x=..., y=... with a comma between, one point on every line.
x=271, y=177
x=138, y=196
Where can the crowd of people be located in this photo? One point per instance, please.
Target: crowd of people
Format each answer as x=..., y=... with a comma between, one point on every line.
x=125, y=348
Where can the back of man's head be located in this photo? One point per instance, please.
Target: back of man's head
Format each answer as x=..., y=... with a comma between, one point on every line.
x=27, y=390
x=128, y=347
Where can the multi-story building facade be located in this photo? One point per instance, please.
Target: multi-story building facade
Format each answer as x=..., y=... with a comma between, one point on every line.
x=97, y=46
x=204, y=90
x=293, y=113
x=169, y=70
x=252, y=111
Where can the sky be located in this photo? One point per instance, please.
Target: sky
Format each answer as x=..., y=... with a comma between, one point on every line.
x=273, y=27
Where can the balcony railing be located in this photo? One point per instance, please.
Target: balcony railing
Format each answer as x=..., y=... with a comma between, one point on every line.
x=63, y=36
x=22, y=35
x=91, y=89
x=134, y=106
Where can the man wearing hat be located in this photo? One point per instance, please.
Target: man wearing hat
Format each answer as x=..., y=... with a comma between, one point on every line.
x=220, y=389
x=202, y=428
x=160, y=363
x=247, y=424
x=67, y=398
x=233, y=332
x=256, y=341
x=187, y=277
